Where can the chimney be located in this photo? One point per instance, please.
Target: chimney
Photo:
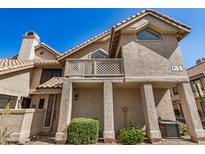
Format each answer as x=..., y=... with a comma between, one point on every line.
x=200, y=61
x=29, y=41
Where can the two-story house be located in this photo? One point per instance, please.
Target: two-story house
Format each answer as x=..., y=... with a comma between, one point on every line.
x=120, y=76
x=197, y=81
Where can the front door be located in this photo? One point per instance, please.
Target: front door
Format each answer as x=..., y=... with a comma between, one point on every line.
x=56, y=114
x=49, y=113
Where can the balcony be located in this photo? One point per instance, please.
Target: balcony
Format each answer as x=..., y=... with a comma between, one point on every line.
x=94, y=68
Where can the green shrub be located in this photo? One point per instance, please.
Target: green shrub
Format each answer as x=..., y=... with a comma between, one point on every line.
x=4, y=135
x=183, y=129
x=83, y=131
x=131, y=135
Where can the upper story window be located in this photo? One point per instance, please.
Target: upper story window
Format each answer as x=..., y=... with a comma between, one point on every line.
x=47, y=74
x=199, y=83
x=99, y=54
x=148, y=34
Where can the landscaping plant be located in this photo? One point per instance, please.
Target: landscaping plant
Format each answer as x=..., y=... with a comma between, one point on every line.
x=83, y=131
x=183, y=129
x=5, y=133
x=131, y=135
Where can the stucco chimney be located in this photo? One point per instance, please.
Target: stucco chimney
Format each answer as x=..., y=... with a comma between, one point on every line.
x=201, y=60
x=29, y=41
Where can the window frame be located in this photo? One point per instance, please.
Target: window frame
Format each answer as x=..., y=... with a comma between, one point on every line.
x=152, y=31
x=103, y=51
x=40, y=101
x=9, y=99
x=193, y=82
x=44, y=69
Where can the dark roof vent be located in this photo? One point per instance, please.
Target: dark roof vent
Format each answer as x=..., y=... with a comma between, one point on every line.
x=30, y=33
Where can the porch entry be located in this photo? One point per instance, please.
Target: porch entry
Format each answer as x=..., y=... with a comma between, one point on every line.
x=51, y=117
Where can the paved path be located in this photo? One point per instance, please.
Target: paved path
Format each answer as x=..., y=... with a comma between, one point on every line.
x=46, y=139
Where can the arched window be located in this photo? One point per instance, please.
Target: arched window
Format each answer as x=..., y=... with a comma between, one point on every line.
x=148, y=34
x=99, y=54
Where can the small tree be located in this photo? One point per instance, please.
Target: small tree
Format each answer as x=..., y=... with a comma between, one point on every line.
x=5, y=133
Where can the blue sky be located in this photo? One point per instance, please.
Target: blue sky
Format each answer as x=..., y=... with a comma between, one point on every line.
x=64, y=28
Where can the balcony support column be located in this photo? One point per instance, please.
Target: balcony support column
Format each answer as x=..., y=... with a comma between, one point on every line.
x=191, y=114
x=65, y=112
x=109, y=133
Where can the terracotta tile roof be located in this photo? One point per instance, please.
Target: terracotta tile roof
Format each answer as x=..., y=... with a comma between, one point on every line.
x=37, y=62
x=8, y=65
x=55, y=82
x=105, y=33
x=196, y=70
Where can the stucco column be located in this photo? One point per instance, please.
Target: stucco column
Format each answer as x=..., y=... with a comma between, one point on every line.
x=191, y=114
x=65, y=112
x=150, y=113
x=109, y=133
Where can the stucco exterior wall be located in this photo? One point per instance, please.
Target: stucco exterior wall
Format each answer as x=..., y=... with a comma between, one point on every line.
x=36, y=98
x=16, y=84
x=36, y=77
x=151, y=59
x=84, y=53
x=46, y=54
x=163, y=104
x=89, y=103
x=22, y=123
x=129, y=97
x=37, y=122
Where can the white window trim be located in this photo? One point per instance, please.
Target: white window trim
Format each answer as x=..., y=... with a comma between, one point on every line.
x=96, y=51
x=161, y=36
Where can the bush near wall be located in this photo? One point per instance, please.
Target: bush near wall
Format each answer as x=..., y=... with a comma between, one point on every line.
x=183, y=129
x=131, y=135
x=83, y=131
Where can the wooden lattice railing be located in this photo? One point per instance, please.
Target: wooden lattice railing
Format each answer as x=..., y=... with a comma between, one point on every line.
x=94, y=67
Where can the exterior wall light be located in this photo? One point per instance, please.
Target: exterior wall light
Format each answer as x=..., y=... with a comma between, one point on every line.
x=76, y=97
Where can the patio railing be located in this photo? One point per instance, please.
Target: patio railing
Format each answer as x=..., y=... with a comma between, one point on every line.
x=94, y=68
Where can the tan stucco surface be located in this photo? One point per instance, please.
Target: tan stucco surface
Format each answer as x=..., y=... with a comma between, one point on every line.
x=127, y=97
x=89, y=103
x=42, y=53
x=16, y=84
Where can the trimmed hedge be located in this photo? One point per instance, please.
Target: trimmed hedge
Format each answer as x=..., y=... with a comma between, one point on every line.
x=131, y=135
x=83, y=131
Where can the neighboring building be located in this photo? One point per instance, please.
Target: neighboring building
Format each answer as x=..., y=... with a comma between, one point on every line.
x=125, y=71
x=197, y=81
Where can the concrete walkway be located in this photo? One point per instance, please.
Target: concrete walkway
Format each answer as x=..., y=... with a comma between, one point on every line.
x=42, y=139
x=49, y=139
